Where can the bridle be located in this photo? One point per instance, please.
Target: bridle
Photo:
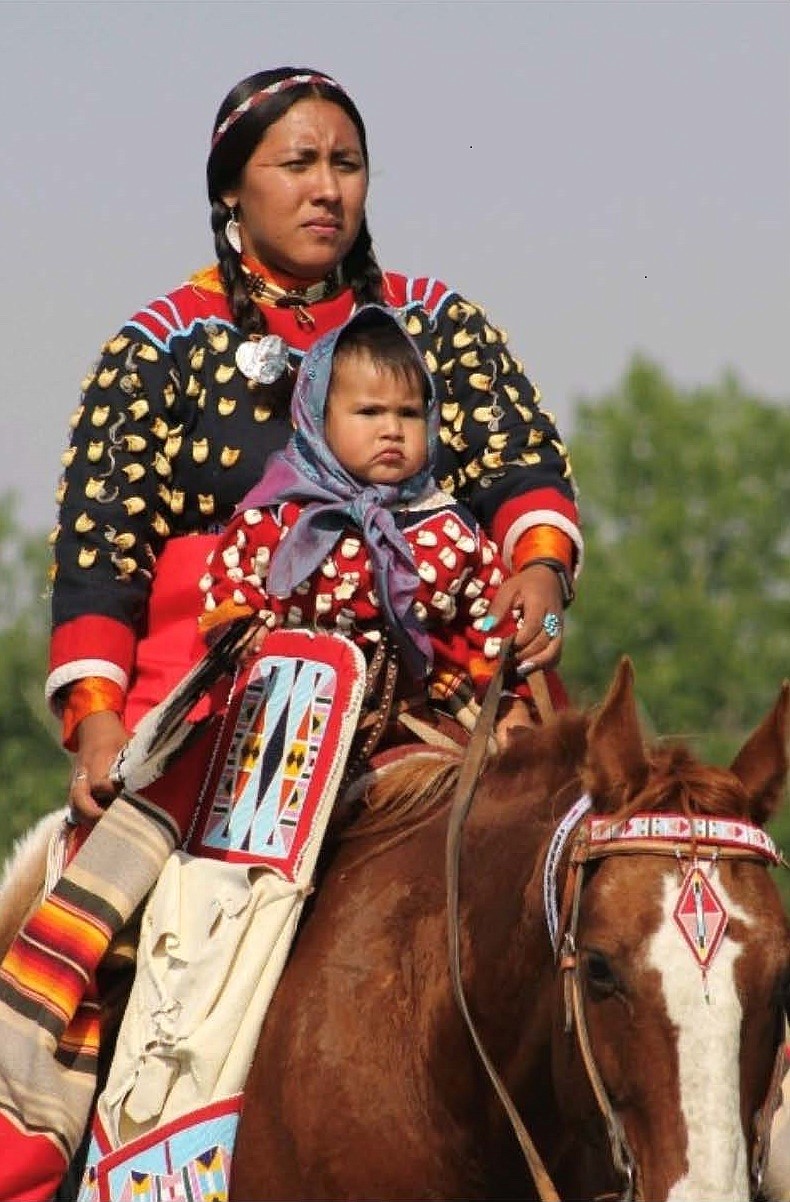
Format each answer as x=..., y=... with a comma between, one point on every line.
x=595, y=838
x=682, y=839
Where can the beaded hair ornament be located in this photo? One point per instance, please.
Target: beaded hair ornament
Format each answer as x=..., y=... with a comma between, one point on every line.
x=290, y=81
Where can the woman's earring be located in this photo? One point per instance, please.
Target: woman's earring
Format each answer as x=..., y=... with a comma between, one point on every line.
x=233, y=231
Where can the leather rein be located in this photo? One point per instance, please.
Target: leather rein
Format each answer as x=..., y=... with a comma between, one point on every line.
x=594, y=840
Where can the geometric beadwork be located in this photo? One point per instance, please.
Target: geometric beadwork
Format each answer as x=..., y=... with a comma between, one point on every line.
x=706, y=831
x=187, y=1160
x=700, y=915
x=281, y=752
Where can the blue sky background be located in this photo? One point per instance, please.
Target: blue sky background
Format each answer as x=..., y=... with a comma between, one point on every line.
x=605, y=177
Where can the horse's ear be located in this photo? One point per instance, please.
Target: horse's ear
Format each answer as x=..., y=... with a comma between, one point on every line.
x=762, y=764
x=616, y=767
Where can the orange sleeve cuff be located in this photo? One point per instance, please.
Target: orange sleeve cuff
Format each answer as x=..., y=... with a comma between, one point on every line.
x=91, y=695
x=543, y=542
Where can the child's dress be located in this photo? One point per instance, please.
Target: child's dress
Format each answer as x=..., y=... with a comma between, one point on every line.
x=460, y=571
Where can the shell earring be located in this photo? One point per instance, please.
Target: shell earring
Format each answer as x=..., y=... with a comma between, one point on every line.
x=233, y=231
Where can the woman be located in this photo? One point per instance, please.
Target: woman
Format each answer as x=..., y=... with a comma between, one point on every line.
x=174, y=427
x=179, y=416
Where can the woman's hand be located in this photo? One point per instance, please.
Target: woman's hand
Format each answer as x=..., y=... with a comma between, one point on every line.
x=100, y=737
x=535, y=594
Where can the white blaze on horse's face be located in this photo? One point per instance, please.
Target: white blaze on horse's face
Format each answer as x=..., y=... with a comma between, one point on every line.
x=708, y=1052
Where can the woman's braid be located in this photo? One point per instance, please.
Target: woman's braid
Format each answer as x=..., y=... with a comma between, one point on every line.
x=361, y=270
x=246, y=314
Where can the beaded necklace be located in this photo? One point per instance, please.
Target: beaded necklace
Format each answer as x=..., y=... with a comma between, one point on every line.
x=286, y=292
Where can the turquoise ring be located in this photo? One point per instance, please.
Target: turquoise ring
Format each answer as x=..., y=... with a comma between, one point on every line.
x=552, y=624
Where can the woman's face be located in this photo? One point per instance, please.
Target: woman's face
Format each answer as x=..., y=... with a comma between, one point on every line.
x=301, y=195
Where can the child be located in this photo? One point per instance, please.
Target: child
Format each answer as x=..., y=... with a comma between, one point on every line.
x=347, y=528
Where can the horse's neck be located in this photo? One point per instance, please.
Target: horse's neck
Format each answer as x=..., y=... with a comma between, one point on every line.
x=509, y=957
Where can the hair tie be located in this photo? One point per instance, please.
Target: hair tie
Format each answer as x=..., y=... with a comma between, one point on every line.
x=290, y=81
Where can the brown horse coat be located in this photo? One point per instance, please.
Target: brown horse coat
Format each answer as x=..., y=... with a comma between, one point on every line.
x=365, y=1084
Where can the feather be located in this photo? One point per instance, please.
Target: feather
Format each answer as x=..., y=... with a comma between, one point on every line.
x=165, y=730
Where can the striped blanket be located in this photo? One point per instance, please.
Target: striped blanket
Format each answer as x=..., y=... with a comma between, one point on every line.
x=253, y=794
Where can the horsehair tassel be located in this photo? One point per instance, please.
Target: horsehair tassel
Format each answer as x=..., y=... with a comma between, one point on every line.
x=464, y=793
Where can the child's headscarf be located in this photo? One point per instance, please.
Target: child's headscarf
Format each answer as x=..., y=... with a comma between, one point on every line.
x=307, y=472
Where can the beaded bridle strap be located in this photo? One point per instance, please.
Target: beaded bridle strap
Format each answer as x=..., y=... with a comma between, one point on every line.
x=707, y=838
x=556, y=847
x=662, y=834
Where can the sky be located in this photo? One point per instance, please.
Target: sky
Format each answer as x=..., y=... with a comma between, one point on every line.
x=606, y=177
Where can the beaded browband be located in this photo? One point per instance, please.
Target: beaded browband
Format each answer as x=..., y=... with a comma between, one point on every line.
x=718, y=833
x=667, y=834
x=290, y=81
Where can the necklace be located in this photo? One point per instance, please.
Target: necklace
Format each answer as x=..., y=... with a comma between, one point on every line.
x=265, y=359
x=267, y=292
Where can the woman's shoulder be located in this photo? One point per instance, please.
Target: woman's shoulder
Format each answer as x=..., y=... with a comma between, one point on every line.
x=432, y=295
x=198, y=300
x=427, y=292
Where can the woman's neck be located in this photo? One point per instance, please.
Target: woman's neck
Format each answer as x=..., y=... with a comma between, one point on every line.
x=280, y=279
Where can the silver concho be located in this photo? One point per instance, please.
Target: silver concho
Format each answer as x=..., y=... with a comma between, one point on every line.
x=263, y=359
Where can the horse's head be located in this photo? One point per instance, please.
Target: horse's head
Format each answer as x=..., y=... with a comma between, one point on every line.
x=676, y=959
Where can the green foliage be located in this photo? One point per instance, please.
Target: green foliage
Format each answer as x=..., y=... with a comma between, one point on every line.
x=685, y=499
x=33, y=767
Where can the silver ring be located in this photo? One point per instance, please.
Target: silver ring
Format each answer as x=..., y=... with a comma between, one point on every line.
x=552, y=624
x=80, y=775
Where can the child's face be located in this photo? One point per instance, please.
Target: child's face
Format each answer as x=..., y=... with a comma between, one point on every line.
x=375, y=422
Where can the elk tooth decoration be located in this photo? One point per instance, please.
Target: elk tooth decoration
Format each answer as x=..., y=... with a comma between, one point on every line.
x=263, y=359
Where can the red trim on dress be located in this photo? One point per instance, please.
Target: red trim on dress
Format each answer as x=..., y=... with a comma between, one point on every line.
x=92, y=636
x=538, y=499
x=402, y=290
x=201, y=299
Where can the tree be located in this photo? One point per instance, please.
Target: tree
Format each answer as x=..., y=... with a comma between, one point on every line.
x=685, y=497
x=33, y=767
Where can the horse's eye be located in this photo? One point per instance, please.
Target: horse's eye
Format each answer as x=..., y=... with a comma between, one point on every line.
x=599, y=974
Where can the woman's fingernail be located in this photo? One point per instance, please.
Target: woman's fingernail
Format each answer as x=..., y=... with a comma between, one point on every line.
x=488, y=622
x=525, y=668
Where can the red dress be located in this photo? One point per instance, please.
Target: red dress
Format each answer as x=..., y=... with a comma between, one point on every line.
x=460, y=571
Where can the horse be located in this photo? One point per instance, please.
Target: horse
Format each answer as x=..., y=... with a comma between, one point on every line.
x=624, y=963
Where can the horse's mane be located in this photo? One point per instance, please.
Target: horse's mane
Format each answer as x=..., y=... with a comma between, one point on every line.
x=23, y=874
x=546, y=767
x=418, y=788
x=542, y=763
x=401, y=797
